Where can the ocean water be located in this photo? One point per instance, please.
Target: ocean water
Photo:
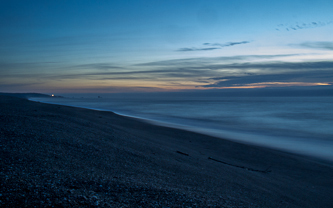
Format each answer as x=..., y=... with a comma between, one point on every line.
x=302, y=125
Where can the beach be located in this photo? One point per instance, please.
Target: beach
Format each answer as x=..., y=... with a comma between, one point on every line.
x=53, y=155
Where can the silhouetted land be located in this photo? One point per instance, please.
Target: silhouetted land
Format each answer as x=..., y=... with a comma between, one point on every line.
x=53, y=155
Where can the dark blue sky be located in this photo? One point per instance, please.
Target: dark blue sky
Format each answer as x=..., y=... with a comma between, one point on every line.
x=124, y=46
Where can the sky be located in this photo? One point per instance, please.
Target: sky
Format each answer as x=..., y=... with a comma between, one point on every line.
x=100, y=46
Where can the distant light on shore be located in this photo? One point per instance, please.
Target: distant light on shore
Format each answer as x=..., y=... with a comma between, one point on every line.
x=52, y=95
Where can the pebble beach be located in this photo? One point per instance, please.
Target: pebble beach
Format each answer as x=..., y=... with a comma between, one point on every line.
x=59, y=156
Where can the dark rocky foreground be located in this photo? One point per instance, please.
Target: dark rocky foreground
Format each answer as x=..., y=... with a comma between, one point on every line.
x=57, y=156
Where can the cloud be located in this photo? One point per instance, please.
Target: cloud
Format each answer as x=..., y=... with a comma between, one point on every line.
x=300, y=26
x=52, y=70
x=249, y=79
x=263, y=66
x=226, y=75
x=114, y=89
x=209, y=60
x=170, y=73
x=98, y=66
x=208, y=72
x=313, y=76
x=209, y=75
x=197, y=49
x=20, y=85
x=318, y=45
x=214, y=46
x=226, y=44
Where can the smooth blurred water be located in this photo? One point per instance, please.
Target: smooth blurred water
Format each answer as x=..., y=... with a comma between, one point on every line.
x=298, y=124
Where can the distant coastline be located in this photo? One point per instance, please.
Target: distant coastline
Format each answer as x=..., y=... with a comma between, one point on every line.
x=24, y=95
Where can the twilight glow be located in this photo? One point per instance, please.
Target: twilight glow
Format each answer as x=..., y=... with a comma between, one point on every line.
x=134, y=46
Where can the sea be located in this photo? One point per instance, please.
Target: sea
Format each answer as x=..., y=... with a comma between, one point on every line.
x=298, y=124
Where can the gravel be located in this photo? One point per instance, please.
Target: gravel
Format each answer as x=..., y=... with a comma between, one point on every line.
x=57, y=156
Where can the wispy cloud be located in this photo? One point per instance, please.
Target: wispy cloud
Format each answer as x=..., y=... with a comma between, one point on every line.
x=197, y=49
x=98, y=66
x=115, y=89
x=221, y=75
x=278, y=65
x=318, y=45
x=226, y=44
x=213, y=46
x=310, y=77
x=211, y=60
x=20, y=85
x=300, y=26
x=205, y=72
x=229, y=81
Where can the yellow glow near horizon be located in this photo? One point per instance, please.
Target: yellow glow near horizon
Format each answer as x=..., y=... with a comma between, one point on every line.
x=238, y=87
x=289, y=83
x=270, y=84
x=323, y=83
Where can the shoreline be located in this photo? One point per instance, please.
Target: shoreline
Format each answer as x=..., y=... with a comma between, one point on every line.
x=67, y=156
x=288, y=144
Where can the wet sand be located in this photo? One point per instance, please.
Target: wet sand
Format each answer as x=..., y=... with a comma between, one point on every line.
x=54, y=155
